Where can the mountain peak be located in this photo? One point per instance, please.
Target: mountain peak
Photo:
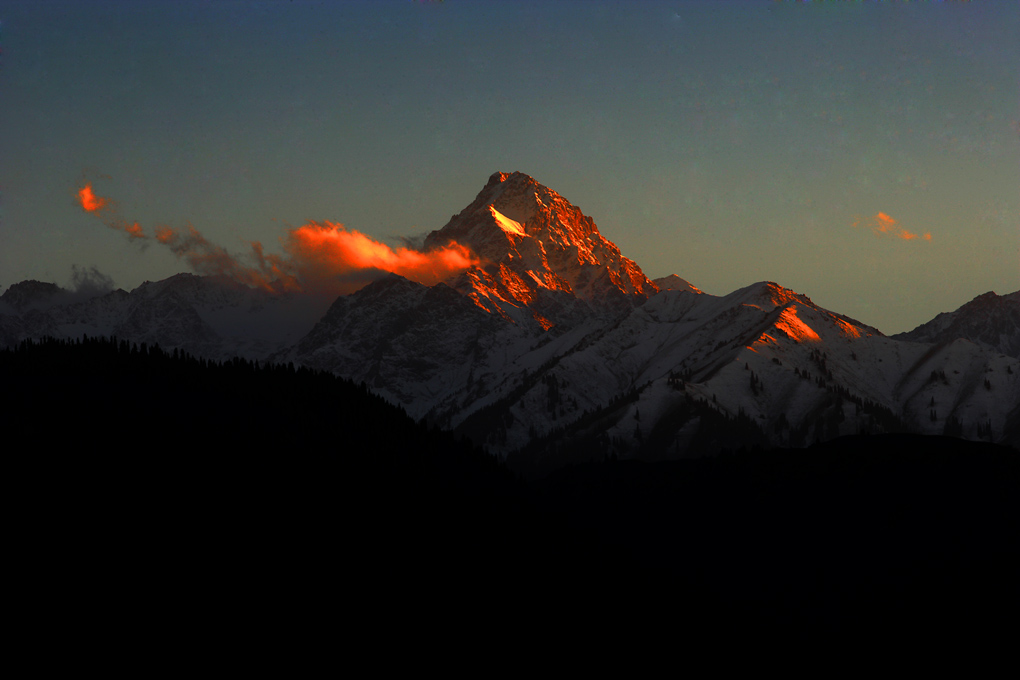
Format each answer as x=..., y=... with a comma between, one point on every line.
x=510, y=178
x=517, y=196
x=769, y=294
x=990, y=319
x=674, y=282
x=26, y=294
x=518, y=206
x=535, y=243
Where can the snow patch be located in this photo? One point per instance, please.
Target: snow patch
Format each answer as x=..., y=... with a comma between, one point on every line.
x=791, y=324
x=506, y=224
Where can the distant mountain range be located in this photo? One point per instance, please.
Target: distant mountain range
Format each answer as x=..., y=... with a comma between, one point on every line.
x=558, y=348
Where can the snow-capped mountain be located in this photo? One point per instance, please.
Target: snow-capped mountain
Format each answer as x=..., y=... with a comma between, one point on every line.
x=990, y=320
x=557, y=347
x=691, y=372
x=651, y=373
x=542, y=257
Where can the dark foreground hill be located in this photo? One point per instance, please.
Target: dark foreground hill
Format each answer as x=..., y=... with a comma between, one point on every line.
x=163, y=490
x=887, y=536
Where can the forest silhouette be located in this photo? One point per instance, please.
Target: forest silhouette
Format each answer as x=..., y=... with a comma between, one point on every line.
x=275, y=487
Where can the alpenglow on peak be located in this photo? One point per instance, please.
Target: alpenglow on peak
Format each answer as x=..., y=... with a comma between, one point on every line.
x=535, y=244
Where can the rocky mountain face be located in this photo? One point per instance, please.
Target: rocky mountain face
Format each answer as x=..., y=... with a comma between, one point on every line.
x=542, y=258
x=557, y=348
x=990, y=320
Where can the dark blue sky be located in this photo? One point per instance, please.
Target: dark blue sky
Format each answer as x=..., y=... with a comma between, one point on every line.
x=726, y=142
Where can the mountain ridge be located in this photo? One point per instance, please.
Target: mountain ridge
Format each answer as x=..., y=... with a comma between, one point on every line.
x=990, y=319
x=556, y=337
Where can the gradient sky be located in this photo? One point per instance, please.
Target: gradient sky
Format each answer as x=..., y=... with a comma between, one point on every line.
x=726, y=142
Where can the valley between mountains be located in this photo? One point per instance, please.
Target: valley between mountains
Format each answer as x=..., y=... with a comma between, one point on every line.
x=557, y=348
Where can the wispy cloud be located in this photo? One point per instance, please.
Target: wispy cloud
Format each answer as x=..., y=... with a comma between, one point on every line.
x=883, y=224
x=320, y=257
x=107, y=211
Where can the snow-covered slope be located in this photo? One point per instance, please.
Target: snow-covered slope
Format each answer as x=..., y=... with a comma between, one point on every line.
x=414, y=344
x=769, y=357
x=430, y=349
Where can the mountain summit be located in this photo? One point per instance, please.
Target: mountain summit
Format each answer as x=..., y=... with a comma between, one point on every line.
x=541, y=255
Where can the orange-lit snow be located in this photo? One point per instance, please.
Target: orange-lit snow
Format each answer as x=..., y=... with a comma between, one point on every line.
x=791, y=324
x=847, y=329
x=506, y=224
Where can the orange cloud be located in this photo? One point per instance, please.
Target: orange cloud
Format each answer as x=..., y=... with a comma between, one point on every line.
x=320, y=257
x=324, y=251
x=133, y=231
x=884, y=224
x=107, y=211
x=89, y=201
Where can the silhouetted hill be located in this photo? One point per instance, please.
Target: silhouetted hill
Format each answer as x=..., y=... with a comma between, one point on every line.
x=257, y=486
x=161, y=481
x=885, y=536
